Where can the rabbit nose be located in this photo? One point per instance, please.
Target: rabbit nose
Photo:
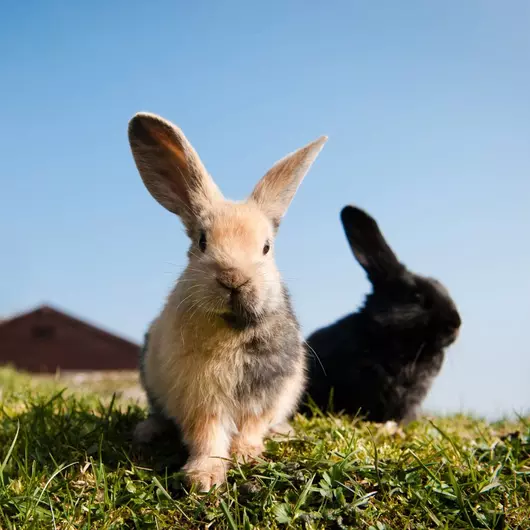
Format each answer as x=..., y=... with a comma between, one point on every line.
x=454, y=322
x=232, y=280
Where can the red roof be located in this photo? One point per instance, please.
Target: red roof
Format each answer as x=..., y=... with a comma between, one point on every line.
x=46, y=339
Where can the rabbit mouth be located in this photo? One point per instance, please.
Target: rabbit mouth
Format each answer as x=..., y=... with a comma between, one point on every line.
x=239, y=316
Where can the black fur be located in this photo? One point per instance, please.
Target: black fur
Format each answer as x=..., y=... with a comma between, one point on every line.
x=381, y=361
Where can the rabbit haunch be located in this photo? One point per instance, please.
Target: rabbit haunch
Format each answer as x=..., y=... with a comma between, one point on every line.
x=225, y=359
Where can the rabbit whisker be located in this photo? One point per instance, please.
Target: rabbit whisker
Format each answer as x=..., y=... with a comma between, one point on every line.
x=316, y=356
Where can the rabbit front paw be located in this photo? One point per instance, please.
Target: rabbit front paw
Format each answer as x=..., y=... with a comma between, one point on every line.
x=204, y=473
x=246, y=450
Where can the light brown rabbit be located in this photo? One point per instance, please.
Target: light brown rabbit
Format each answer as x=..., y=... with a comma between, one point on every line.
x=225, y=359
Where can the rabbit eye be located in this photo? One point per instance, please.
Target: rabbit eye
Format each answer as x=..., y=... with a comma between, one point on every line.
x=418, y=297
x=202, y=241
x=266, y=248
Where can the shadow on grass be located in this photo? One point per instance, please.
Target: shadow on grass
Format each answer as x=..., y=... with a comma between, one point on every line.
x=61, y=430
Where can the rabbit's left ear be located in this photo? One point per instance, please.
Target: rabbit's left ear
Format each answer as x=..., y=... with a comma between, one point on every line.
x=170, y=168
x=369, y=246
x=275, y=191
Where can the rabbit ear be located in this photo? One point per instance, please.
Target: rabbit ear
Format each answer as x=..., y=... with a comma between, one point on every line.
x=170, y=168
x=275, y=191
x=368, y=245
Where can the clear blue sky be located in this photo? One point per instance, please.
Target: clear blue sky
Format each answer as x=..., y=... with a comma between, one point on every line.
x=427, y=108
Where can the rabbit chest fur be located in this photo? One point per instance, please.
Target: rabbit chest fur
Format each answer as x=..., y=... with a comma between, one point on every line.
x=193, y=364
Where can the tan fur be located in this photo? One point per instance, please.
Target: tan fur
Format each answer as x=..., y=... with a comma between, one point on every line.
x=195, y=361
x=247, y=443
x=185, y=196
x=292, y=167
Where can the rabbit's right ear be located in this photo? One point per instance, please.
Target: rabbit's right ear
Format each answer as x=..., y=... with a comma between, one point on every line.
x=275, y=191
x=170, y=168
x=369, y=246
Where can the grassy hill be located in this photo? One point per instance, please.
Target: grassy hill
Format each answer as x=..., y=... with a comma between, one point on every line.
x=67, y=462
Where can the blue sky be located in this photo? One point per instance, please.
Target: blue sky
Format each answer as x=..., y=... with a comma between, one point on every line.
x=427, y=109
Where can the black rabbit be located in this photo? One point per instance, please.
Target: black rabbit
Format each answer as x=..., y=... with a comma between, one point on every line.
x=380, y=362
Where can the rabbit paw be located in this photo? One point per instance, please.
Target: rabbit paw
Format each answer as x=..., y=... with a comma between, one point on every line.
x=281, y=430
x=205, y=473
x=392, y=428
x=246, y=450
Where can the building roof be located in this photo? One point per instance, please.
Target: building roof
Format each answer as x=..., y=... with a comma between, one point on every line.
x=69, y=319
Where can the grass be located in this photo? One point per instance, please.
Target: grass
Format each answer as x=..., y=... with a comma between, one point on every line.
x=67, y=462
